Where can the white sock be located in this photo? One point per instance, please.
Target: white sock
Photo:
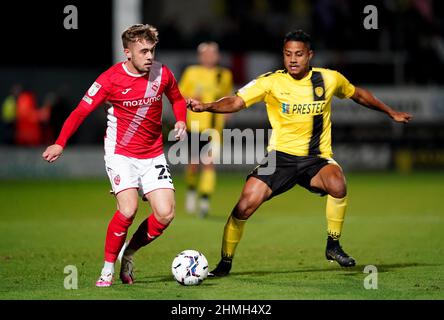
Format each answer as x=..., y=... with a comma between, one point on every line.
x=122, y=251
x=108, y=267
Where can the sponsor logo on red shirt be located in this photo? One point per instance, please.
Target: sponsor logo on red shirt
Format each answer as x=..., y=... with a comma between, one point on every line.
x=141, y=102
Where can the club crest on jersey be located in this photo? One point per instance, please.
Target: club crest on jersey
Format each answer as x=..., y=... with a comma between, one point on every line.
x=319, y=91
x=155, y=86
x=95, y=87
x=117, y=180
x=285, y=108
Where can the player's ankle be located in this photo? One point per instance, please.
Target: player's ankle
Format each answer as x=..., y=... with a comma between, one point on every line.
x=129, y=252
x=108, y=267
x=226, y=260
x=332, y=242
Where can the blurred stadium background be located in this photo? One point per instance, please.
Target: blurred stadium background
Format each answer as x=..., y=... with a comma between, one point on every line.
x=402, y=61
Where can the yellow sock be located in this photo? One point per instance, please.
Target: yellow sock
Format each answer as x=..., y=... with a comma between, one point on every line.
x=335, y=215
x=207, y=182
x=232, y=235
x=190, y=178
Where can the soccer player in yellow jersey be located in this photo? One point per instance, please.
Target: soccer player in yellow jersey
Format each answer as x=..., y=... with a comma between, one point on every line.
x=206, y=82
x=298, y=101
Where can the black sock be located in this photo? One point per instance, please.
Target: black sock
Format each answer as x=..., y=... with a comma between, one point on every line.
x=205, y=196
x=226, y=259
x=332, y=242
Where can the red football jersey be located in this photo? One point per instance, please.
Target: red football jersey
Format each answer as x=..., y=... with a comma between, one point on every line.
x=134, y=126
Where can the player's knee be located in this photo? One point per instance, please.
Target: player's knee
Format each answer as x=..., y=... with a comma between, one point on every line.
x=165, y=214
x=336, y=187
x=240, y=211
x=128, y=210
x=245, y=207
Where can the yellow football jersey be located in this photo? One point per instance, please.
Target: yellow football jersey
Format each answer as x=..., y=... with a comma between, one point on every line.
x=299, y=110
x=206, y=85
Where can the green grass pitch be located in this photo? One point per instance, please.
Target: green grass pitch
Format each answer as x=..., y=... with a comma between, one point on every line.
x=393, y=222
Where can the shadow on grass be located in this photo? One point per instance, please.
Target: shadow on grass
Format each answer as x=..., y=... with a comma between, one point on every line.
x=393, y=266
x=157, y=279
x=358, y=269
x=352, y=271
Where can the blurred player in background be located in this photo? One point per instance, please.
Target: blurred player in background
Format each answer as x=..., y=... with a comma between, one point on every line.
x=206, y=82
x=134, y=158
x=298, y=101
x=8, y=115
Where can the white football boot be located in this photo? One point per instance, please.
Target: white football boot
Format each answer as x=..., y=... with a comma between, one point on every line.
x=105, y=280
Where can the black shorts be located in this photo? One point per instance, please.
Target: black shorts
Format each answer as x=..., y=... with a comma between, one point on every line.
x=290, y=170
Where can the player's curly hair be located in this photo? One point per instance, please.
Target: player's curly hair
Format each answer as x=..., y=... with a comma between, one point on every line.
x=298, y=35
x=138, y=32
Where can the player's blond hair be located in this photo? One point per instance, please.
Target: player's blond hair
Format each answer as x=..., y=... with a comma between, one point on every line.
x=139, y=32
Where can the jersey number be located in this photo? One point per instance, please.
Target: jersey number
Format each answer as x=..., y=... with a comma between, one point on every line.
x=164, y=172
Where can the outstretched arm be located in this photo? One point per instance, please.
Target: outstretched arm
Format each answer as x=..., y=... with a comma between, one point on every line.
x=75, y=119
x=367, y=99
x=224, y=105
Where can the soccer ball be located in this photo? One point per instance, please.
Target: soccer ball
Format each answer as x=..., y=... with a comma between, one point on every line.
x=190, y=267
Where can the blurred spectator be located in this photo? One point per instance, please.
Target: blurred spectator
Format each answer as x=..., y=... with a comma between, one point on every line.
x=8, y=115
x=28, y=130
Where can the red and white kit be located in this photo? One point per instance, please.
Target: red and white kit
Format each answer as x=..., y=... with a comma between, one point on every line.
x=133, y=143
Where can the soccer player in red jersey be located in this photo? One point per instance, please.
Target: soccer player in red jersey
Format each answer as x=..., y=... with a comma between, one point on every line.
x=134, y=158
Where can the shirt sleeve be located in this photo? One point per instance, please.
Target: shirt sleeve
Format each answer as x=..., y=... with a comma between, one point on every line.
x=344, y=89
x=254, y=91
x=96, y=95
x=175, y=97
